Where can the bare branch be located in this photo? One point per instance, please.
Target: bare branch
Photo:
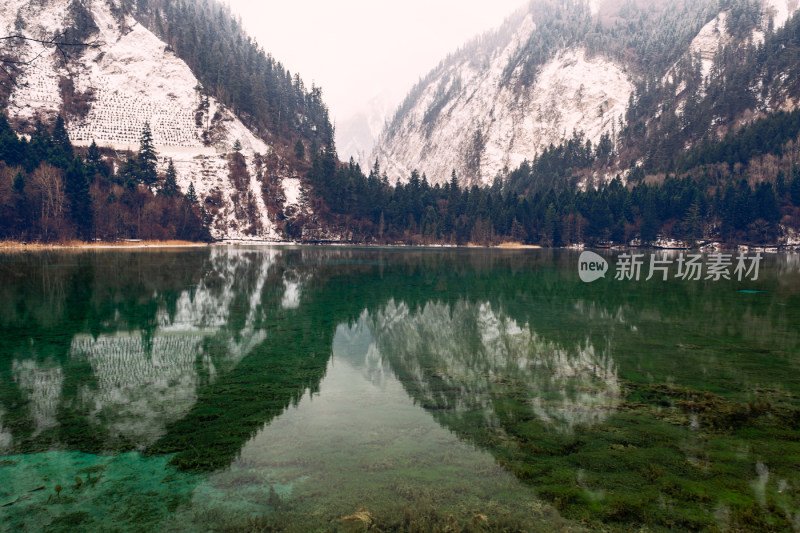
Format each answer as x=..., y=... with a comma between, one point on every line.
x=6, y=61
x=54, y=41
x=46, y=44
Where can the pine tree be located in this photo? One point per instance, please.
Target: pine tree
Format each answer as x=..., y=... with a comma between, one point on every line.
x=766, y=203
x=147, y=158
x=780, y=185
x=694, y=222
x=744, y=208
x=794, y=189
x=550, y=219
x=376, y=170
x=12, y=149
x=300, y=150
x=191, y=195
x=518, y=233
x=62, y=147
x=650, y=224
x=237, y=146
x=22, y=213
x=41, y=145
x=94, y=159
x=128, y=174
x=19, y=183
x=170, y=188
x=77, y=190
x=455, y=193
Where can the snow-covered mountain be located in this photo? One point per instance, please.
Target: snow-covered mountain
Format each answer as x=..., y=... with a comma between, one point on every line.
x=131, y=78
x=552, y=69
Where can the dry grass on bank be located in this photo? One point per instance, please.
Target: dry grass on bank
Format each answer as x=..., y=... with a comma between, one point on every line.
x=75, y=244
x=518, y=246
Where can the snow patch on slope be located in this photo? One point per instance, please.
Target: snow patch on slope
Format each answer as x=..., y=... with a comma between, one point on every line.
x=713, y=36
x=37, y=89
x=292, y=190
x=576, y=93
x=780, y=10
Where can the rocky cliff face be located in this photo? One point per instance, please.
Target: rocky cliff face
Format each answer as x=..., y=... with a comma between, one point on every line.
x=131, y=78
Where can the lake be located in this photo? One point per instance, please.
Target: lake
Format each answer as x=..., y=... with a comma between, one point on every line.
x=343, y=389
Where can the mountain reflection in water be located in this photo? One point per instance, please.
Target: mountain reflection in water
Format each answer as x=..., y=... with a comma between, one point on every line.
x=457, y=358
x=144, y=367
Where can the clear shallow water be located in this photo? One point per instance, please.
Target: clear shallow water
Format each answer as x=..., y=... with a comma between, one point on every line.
x=237, y=388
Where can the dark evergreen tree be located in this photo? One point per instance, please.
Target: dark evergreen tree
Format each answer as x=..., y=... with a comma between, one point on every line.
x=795, y=187
x=744, y=209
x=766, y=203
x=93, y=158
x=147, y=159
x=170, y=188
x=191, y=195
x=129, y=173
x=95, y=166
x=22, y=216
x=41, y=147
x=12, y=150
x=62, y=147
x=780, y=185
x=77, y=190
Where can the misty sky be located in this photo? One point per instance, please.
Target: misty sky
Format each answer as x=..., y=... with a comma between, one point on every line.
x=358, y=49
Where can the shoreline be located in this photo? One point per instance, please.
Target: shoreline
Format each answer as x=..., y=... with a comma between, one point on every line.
x=134, y=244
x=81, y=245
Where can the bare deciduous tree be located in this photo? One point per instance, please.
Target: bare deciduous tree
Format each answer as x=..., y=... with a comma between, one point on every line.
x=47, y=186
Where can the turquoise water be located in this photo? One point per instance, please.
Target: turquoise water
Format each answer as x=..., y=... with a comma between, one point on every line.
x=259, y=388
